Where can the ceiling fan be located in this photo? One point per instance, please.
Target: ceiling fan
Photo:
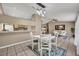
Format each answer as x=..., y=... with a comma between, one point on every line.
x=40, y=11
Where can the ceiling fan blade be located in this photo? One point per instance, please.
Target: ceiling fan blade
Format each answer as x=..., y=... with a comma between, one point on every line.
x=41, y=5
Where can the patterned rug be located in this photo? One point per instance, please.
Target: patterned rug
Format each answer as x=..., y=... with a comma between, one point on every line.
x=54, y=52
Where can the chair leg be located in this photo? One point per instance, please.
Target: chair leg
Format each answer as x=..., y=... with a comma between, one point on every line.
x=49, y=52
x=38, y=46
x=41, y=52
x=50, y=49
x=32, y=45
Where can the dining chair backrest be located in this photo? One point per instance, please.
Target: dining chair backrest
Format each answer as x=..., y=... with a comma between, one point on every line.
x=45, y=39
x=34, y=36
x=31, y=34
x=45, y=35
x=46, y=43
x=56, y=33
x=63, y=33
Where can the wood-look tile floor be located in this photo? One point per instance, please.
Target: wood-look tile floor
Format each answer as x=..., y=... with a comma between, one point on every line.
x=17, y=50
x=23, y=50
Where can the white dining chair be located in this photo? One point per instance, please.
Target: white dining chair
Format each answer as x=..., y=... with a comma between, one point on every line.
x=46, y=43
x=35, y=39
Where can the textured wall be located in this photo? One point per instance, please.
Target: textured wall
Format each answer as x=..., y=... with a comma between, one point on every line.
x=68, y=26
x=14, y=20
x=38, y=23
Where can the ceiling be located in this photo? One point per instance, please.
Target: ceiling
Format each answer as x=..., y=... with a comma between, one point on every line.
x=59, y=11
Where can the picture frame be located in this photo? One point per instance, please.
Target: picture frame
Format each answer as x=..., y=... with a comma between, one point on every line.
x=59, y=27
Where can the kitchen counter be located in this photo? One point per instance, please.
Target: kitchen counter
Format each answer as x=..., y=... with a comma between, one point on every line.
x=12, y=38
x=12, y=31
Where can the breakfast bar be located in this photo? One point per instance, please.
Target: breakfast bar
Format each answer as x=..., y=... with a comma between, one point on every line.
x=8, y=39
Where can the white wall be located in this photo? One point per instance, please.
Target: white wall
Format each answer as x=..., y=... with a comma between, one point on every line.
x=77, y=35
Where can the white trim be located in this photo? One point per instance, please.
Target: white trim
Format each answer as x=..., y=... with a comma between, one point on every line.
x=14, y=44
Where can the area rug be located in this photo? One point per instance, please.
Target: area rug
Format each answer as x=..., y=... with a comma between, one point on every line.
x=54, y=52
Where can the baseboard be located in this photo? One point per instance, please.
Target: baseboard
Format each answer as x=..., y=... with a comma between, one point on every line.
x=15, y=44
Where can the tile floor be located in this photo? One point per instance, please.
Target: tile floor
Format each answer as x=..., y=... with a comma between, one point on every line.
x=23, y=50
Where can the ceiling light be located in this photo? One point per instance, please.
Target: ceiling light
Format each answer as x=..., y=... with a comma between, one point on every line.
x=54, y=20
